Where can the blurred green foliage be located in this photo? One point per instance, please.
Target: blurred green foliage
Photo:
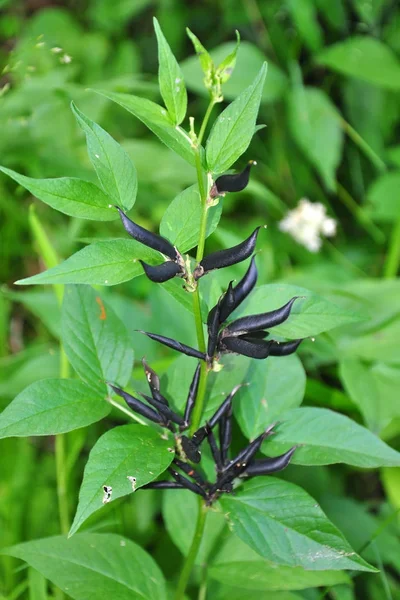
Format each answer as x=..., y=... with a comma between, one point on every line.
x=332, y=114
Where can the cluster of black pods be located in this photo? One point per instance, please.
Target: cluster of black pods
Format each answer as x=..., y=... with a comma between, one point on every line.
x=246, y=336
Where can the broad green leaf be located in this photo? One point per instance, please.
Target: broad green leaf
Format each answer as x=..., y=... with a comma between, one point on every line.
x=180, y=517
x=248, y=63
x=281, y=522
x=222, y=592
x=41, y=303
x=238, y=565
x=391, y=482
x=96, y=342
x=378, y=345
x=314, y=123
x=309, y=316
x=360, y=526
x=155, y=117
x=275, y=386
x=69, y=195
x=101, y=263
x=304, y=15
x=233, y=130
x=180, y=223
x=52, y=406
x=366, y=58
x=326, y=437
x=114, y=168
x=122, y=452
x=170, y=78
x=375, y=390
x=384, y=197
x=95, y=565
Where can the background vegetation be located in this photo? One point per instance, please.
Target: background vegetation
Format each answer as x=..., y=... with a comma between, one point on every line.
x=332, y=113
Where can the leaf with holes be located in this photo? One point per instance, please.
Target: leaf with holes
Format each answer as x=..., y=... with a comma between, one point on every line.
x=126, y=451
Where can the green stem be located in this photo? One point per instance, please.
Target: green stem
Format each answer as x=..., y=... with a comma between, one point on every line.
x=364, y=146
x=198, y=408
x=359, y=214
x=205, y=122
x=50, y=259
x=393, y=257
x=194, y=548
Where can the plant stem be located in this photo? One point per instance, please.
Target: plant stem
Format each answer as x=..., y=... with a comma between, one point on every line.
x=50, y=259
x=360, y=214
x=364, y=146
x=194, y=548
x=393, y=257
x=205, y=122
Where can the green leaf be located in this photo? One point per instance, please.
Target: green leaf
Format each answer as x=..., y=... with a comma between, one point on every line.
x=365, y=58
x=378, y=345
x=122, y=452
x=114, y=168
x=180, y=519
x=281, y=522
x=326, y=437
x=276, y=385
x=205, y=60
x=233, y=130
x=180, y=223
x=248, y=63
x=96, y=342
x=384, y=197
x=52, y=406
x=170, y=78
x=156, y=118
x=69, y=195
x=101, y=263
x=41, y=303
x=238, y=565
x=304, y=15
x=315, y=125
x=375, y=390
x=95, y=565
x=227, y=66
x=308, y=317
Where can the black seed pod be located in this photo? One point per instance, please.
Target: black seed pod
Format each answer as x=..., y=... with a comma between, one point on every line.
x=138, y=406
x=216, y=454
x=175, y=345
x=190, y=485
x=233, y=183
x=163, y=409
x=213, y=323
x=284, y=348
x=265, y=466
x=163, y=272
x=225, y=258
x=152, y=240
x=245, y=456
x=163, y=485
x=240, y=292
x=190, y=449
x=191, y=399
x=254, y=349
x=225, y=407
x=261, y=321
x=188, y=469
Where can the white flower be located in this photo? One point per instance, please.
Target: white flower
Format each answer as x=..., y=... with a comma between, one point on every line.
x=66, y=59
x=56, y=50
x=307, y=223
